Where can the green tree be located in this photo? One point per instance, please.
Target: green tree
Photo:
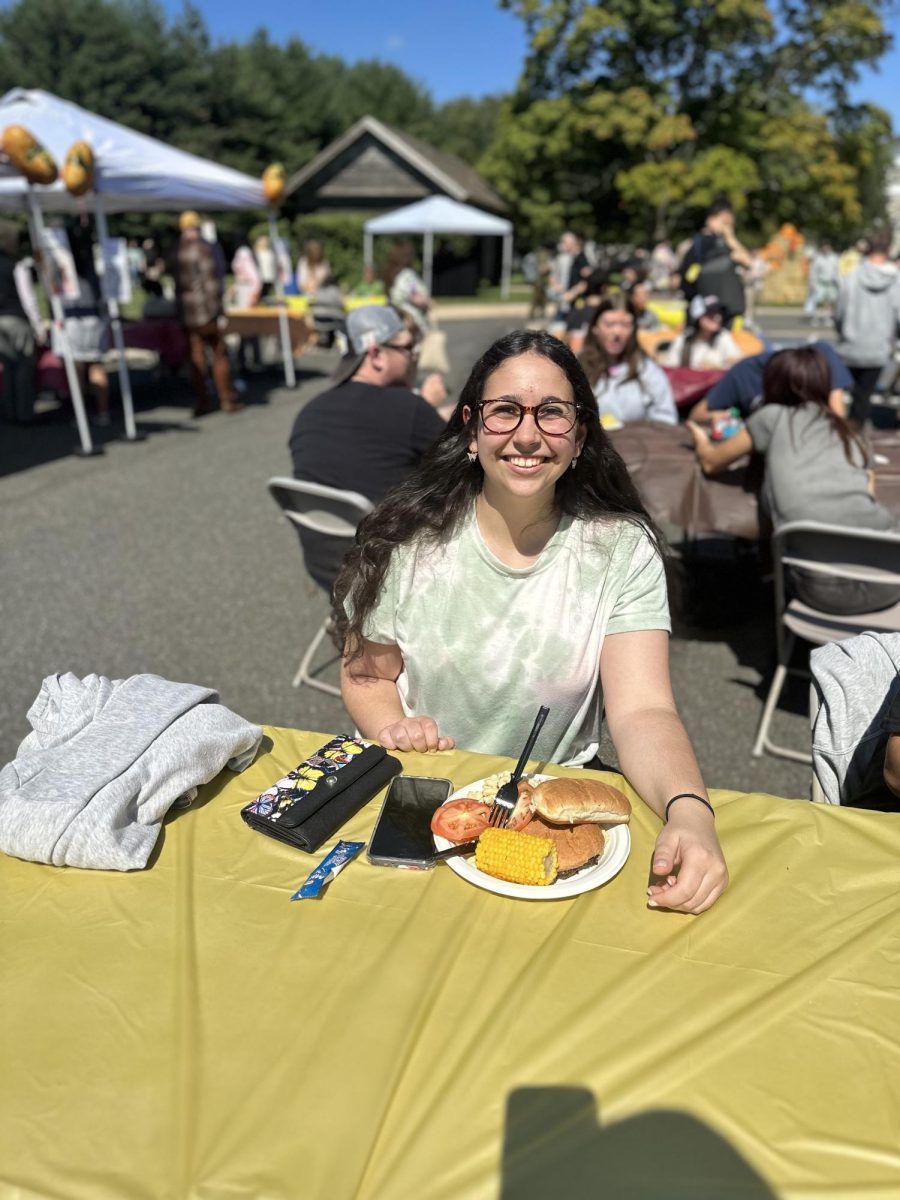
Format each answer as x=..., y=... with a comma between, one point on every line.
x=630, y=114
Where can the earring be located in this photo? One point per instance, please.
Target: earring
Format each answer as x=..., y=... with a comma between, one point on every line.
x=471, y=456
x=573, y=462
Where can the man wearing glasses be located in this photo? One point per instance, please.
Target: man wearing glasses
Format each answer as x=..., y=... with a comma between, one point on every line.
x=369, y=431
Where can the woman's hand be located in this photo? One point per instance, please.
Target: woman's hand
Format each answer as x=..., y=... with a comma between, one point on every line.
x=689, y=861
x=414, y=733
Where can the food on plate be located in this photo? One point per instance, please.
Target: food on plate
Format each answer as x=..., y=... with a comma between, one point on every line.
x=523, y=812
x=28, y=155
x=516, y=857
x=488, y=788
x=274, y=182
x=460, y=820
x=78, y=169
x=577, y=846
x=568, y=801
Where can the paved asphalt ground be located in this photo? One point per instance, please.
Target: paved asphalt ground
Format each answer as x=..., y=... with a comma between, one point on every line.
x=169, y=556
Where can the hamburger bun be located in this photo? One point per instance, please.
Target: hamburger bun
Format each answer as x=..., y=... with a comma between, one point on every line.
x=567, y=801
x=577, y=846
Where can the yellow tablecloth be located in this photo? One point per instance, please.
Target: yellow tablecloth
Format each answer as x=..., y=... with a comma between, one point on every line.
x=186, y=1031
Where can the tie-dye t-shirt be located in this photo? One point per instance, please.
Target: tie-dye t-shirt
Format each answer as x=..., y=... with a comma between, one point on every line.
x=484, y=645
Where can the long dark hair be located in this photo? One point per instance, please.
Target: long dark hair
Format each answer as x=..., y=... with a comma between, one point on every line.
x=430, y=505
x=594, y=358
x=802, y=377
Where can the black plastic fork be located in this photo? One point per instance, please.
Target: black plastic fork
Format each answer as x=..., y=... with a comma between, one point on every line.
x=507, y=796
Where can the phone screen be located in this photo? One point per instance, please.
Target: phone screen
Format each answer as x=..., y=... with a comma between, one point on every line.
x=403, y=831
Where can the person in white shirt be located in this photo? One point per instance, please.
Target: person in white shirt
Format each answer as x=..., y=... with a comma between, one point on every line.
x=704, y=345
x=627, y=384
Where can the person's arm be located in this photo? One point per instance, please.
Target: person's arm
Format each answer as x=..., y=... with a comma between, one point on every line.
x=714, y=457
x=738, y=253
x=640, y=714
x=370, y=695
x=892, y=764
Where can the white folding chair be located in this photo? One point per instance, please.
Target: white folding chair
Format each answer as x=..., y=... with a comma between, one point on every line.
x=829, y=551
x=325, y=510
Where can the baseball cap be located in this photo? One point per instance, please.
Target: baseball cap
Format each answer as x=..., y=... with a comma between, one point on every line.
x=704, y=306
x=189, y=220
x=368, y=326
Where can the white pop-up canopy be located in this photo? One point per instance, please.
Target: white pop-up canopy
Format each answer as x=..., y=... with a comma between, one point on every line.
x=133, y=173
x=440, y=214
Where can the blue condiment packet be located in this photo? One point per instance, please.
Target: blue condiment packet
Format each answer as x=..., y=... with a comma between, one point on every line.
x=332, y=864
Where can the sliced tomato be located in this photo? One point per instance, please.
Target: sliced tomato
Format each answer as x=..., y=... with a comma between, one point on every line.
x=460, y=820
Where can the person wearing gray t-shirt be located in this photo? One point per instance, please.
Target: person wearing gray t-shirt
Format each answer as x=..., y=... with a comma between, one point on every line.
x=816, y=469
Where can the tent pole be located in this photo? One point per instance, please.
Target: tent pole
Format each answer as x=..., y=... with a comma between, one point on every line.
x=428, y=259
x=368, y=250
x=507, y=266
x=284, y=330
x=36, y=223
x=112, y=305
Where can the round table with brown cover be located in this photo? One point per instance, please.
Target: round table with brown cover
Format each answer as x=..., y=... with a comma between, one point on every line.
x=662, y=463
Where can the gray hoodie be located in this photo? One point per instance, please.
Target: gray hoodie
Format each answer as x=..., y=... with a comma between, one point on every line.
x=868, y=314
x=107, y=760
x=857, y=686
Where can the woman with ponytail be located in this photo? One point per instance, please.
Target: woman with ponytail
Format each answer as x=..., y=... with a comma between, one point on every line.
x=816, y=469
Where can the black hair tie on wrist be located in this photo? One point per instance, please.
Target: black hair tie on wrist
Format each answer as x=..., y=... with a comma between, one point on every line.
x=688, y=796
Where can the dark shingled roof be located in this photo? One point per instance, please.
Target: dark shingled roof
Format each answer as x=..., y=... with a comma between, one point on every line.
x=450, y=174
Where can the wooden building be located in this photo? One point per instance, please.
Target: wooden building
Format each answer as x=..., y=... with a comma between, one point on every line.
x=374, y=168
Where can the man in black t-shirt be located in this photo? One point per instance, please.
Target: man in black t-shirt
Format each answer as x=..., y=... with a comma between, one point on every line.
x=368, y=432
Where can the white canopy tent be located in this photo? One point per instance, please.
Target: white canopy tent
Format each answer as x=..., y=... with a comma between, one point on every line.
x=133, y=173
x=440, y=214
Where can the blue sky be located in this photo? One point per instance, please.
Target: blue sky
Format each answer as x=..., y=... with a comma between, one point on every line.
x=460, y=48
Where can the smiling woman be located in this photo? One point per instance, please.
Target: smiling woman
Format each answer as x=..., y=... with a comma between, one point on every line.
x=517, y=568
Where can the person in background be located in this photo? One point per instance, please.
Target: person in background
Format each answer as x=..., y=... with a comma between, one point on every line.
x=711, y=264
x=135, y=262
x=627, y=384
x=313, y=268
x=265, y=259
x=662, y=265
x=742, y=387
x=199, y=289
x=370, y=287
x=87, y=324
x=369, y=430
x=571, y=272
x=21, y=329
x=866, y=317
x=816, y=469
x=850, y=258
x=704, y=345
x=246, y=290
x=518, y=566
x=639, y=292
x=824, y=283
x=754, y=277
x=210, y=235
x=405, y=289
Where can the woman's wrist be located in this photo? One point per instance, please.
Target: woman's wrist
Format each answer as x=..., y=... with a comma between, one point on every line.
x=694, y=799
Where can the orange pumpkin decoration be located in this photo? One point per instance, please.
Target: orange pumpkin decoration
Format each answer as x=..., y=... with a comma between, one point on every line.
x=274, y=182
x=28, y=155
x=78, y=169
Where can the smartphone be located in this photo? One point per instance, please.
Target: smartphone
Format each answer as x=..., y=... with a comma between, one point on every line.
x=402, y=834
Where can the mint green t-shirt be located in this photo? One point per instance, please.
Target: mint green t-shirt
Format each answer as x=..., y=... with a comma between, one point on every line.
x=484, y=645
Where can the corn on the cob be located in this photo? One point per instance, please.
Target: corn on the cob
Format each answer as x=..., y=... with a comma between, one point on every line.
x=516, y=857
